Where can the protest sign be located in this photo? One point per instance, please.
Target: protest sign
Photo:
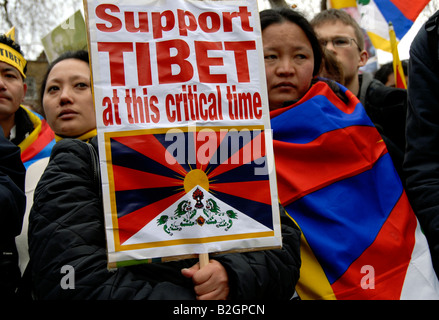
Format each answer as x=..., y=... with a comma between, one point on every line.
x=183, y=128
x=70, y=35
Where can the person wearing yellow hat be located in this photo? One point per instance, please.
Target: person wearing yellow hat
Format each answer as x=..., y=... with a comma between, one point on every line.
x=23, y=127
x=12, y=171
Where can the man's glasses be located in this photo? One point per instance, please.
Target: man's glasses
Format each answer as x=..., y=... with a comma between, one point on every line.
x=339, y=42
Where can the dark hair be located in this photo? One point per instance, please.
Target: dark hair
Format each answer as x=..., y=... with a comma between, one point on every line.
x=78, y=55
x=331, y=67
x=14, y=45
x=280, y=15
x=383, y=73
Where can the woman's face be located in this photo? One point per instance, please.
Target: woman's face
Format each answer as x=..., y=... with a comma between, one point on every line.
x=289, y=62
x=67, y=100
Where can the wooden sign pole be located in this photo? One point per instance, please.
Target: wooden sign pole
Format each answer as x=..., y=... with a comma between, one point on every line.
x=204, y=259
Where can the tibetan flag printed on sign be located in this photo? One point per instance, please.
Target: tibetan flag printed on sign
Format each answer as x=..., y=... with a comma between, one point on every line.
x=182, y=114
x=336, y=180
x=376, y=14
x=171, y=185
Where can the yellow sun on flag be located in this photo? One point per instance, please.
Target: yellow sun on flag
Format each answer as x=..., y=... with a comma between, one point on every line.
x=196, y=177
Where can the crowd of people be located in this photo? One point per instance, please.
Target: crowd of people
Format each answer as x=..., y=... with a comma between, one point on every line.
x=355, y=163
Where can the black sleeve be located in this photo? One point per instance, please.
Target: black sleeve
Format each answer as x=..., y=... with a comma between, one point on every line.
x=421, y=162
x=12, y=207
x=66, y=228
x=387, y=108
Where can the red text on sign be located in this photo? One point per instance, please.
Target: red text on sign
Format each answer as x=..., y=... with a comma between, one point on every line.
x=184, y=21
x=166, y=60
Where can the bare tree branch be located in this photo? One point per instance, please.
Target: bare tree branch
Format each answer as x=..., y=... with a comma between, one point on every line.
x=33, y=19
x=4, y=5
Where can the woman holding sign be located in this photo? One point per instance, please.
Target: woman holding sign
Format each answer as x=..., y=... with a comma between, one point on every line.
x=336, y=178
x=67, y=233
x=68, y=107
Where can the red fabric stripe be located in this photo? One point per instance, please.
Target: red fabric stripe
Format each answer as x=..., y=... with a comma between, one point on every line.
x=389, y=256
x=304, y=168
x=321, y=88
x=399, y=81
x=44, y=138
x=410, y=9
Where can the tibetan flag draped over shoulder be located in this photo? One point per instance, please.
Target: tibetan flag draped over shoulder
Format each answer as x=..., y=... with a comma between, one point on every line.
x=376, y=14
x=397, y=65
x=39, y=143
x=336, y=180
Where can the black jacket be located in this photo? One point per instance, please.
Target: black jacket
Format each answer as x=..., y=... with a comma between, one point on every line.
x=66, y=227
x=387, y=108
x=12, y=206
x=421, y=163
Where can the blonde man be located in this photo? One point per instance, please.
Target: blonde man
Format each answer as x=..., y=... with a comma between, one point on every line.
x=340, y=34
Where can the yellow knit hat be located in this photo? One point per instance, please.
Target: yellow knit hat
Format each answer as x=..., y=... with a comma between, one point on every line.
x=11, y=56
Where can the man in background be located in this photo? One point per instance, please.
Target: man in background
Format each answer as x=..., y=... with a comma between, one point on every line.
x=339, y=33
x=21, y=126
